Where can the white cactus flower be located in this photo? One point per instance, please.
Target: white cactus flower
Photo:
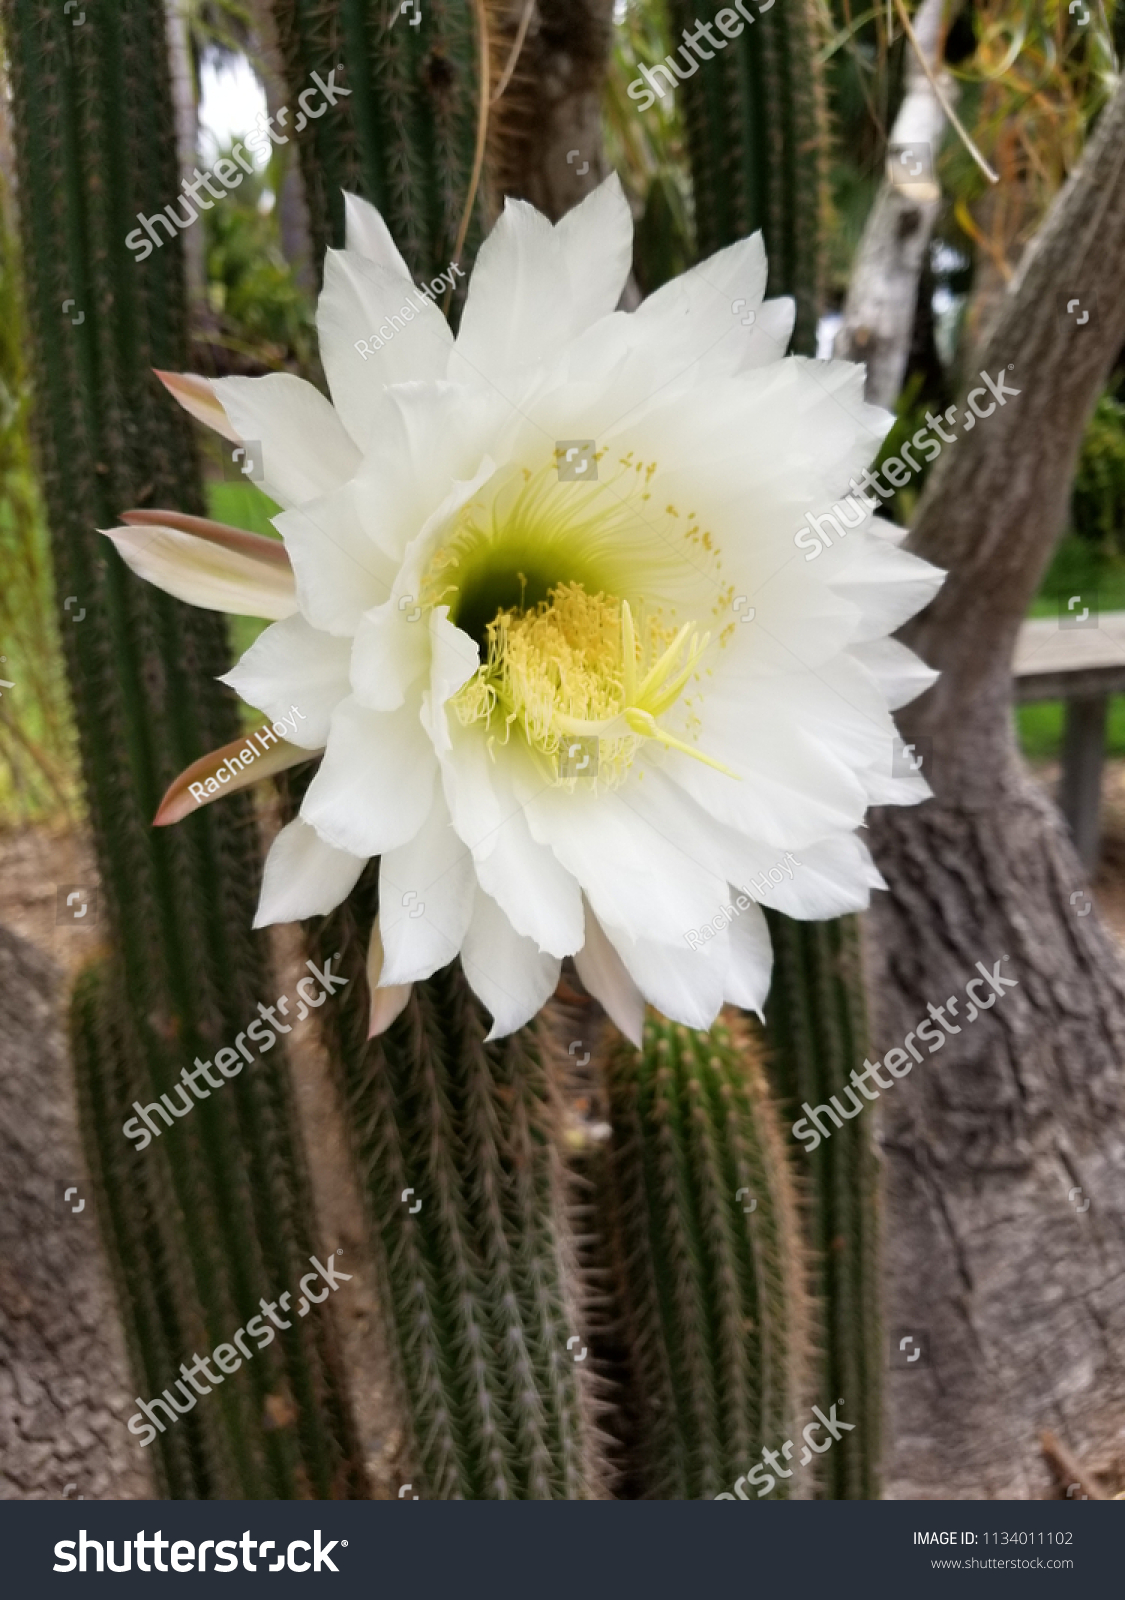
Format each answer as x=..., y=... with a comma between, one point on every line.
x=573, y=681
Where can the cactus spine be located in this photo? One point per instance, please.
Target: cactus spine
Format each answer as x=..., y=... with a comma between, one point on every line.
x=757, y=136
x=712, y=1267
x=460, y=1155
x=756, y=124
x=215, y=1214
x=480, y=1288
x=405, y=135
x=817, y=1030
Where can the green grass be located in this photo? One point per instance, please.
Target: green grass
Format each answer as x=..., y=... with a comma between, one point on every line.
x=1040, y=728
x=1079, y=567
x=243, y=505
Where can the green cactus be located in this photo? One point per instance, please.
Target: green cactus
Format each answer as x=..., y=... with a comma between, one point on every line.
x=460, y=1152
x=756, y=128
x=405, y=135
x=487, y=1284
x=216, y=1214
x=817, y=1030
x=712, y=1267
x=480, y=1288
x=756, y=122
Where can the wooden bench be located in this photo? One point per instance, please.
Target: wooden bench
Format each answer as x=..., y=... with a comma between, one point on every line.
x=1082, y=666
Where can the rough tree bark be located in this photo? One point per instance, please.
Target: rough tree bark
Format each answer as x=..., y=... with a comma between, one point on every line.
x=64, y=1382
x=1020, y=1291
x=545, y=131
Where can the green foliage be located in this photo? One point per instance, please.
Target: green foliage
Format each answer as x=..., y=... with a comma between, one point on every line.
x=38, y=769
x=910, y=416
x=262, y=309
x=1097, y=504
x=712, y=1267
x=646, y=148
x=217, y=1214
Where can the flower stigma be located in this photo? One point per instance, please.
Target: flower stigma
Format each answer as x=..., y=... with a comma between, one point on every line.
x=576, y=665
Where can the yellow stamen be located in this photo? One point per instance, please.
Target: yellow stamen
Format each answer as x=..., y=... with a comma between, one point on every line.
x=569, y=668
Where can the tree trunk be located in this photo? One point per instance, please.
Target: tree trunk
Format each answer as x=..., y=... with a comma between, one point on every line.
x=545, y=129
x=65, y=1389
x=883, y=288
x=187, y=152
x=992, y=1253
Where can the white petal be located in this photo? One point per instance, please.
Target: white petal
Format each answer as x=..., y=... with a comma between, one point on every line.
x=367, y=234
x=429, y=459
x=340, y=571
x=596, y=240
x=356, y=306
x=426, y=892
x=518, y=310
x=506, y=971
x=815, y=883
x=821, y=880
x=455, y=657
x=700, y=315
x=888, y=585
x=901, y=675
x=686, y=985
x=294, y=665
x=770, y=332
x=206, y=574
x=373, y=789
x=306, y=451
x=604, y=975
x=304, y=877
x=539, y=897
x=791, y=788
x=636, y=878
x=390, y=653
x=886, y=787
x=747, y=981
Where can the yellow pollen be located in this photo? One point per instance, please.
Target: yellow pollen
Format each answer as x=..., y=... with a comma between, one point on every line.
x=576, y=667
